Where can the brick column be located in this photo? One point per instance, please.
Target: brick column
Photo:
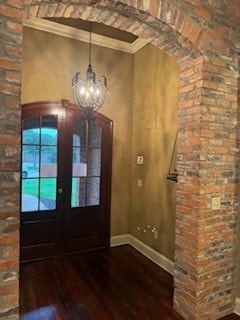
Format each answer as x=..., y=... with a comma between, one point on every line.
x=10, y=55
x=238, y=176
x=205, y=256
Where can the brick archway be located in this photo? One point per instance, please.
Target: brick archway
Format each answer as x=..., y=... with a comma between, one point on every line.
x=205, y=255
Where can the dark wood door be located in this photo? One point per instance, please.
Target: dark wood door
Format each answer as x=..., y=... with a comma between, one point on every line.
x=66, y=180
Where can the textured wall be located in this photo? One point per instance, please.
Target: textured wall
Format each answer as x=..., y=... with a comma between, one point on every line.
x=154, y=127
x=47, y=70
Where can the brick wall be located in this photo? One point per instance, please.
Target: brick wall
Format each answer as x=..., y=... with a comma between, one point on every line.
x=10, y=63
x=203, y=37
x=238, y=167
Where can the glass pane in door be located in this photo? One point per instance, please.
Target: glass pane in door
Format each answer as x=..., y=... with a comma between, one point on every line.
x=94, y=162
x=30, y=194
x=39, y=164
x=79, y=188
x=93, y=191
x=86, y=164
x=48, y=194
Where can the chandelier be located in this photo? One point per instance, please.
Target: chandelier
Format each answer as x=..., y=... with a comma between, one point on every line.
x=89, y=93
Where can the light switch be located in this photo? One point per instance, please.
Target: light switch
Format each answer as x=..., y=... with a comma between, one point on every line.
x=139, y=182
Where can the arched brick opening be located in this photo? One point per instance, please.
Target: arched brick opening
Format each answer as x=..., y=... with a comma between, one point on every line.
x=205, y=255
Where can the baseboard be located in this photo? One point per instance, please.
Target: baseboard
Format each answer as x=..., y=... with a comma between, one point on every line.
x=153, y=255
x=150, y=253
x=120, y=240
x=237, y=307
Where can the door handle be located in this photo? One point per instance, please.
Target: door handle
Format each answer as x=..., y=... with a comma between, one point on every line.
x=60, y=190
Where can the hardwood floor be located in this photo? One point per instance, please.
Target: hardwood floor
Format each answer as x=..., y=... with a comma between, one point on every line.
x=115, y=284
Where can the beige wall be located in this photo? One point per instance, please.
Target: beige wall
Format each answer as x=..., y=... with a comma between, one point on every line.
x=49, y=62
x=154, y=127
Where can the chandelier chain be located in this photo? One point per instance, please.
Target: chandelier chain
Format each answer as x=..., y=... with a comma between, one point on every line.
x=90, y=43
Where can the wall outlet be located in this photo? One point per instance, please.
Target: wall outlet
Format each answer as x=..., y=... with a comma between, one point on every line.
x=155, y=234
x=216, y=203
x=139, y=159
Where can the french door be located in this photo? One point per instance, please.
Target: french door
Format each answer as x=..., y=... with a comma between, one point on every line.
x=65, y=180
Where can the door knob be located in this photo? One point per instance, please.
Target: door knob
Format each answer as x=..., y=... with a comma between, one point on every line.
x=60, y=190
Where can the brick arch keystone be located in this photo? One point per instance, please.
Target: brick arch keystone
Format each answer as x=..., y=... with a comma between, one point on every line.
x=205, y=254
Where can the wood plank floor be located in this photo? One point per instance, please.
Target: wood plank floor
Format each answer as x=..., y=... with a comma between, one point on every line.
x=115, y=284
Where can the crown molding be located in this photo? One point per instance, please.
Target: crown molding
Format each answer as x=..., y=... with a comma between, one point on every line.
x=81, y=35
